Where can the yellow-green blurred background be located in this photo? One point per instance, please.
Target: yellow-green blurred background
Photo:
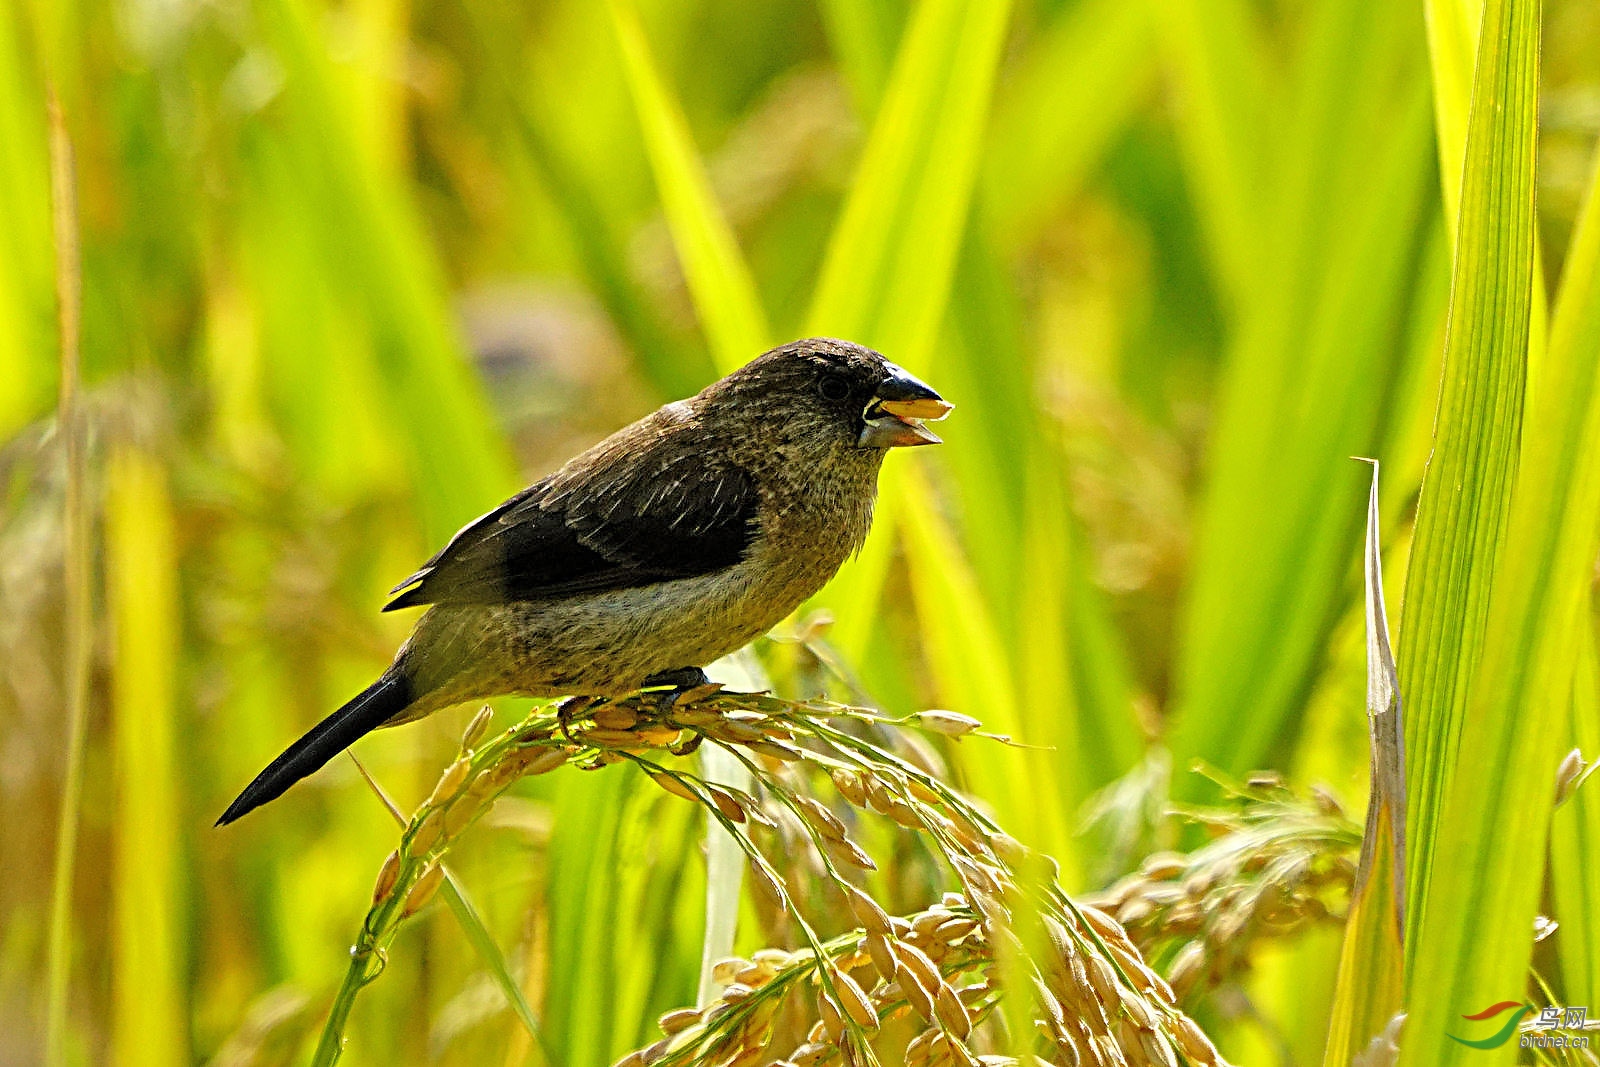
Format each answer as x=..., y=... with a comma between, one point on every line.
x=352, y=272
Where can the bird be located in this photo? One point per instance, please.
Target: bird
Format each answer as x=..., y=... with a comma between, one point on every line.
x=669, y=544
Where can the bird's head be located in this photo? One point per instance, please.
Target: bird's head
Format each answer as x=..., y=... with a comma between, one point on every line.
x=835, y=391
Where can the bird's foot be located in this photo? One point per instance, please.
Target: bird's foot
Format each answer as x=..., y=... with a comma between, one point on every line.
x=682, y=684
x=684, y=678
x=567, y=713
x=688, y=744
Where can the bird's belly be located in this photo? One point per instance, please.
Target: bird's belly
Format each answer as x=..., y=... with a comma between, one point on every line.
x=601, y=643
x=611, y=643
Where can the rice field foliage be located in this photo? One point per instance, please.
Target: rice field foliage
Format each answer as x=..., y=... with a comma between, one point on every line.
x=352, y=272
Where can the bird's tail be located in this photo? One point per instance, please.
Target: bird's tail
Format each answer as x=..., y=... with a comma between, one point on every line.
x=365, y=712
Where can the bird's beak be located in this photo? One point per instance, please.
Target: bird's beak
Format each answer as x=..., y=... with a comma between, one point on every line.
x=895, y=416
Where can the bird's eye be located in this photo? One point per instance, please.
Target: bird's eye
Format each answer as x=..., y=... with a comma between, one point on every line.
x=833, y=387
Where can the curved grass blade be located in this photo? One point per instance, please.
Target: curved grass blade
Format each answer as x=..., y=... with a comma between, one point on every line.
x=922, y=265
x=892, y=253
x=1371, y=981
x=1452, y=49
x=675, y=369
x=852, y=280
x=76, y=578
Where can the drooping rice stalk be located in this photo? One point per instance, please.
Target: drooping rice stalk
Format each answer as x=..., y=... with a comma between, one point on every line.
x=943, y=970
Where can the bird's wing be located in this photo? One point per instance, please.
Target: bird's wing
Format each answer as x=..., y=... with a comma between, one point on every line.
x=614, y=519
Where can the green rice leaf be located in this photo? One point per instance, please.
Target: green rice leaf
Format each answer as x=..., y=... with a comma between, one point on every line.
x=149, y=1009
x=471, y=922
x=891, y=258
x=1466, y=491
x=597, y=246
x=1318, y=359
x=1475, y=940
x=970, y=664
x=26, y=313
x=1452, y=48
x=863, y=35
x=724, y=292
x=892, y=255
x=365, y=260
x=1076, y=89
x=1220, y=72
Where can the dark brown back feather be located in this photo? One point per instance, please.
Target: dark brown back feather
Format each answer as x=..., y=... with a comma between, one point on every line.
x=640, y=507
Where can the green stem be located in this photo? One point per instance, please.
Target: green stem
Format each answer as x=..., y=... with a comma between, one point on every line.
x=385, y=916
x=331, y=1044
x=75, y=579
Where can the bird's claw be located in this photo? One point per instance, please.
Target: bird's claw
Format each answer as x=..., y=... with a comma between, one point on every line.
x=680, y=678
x=688, y=684
x=568, y=711
x=687, y=746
